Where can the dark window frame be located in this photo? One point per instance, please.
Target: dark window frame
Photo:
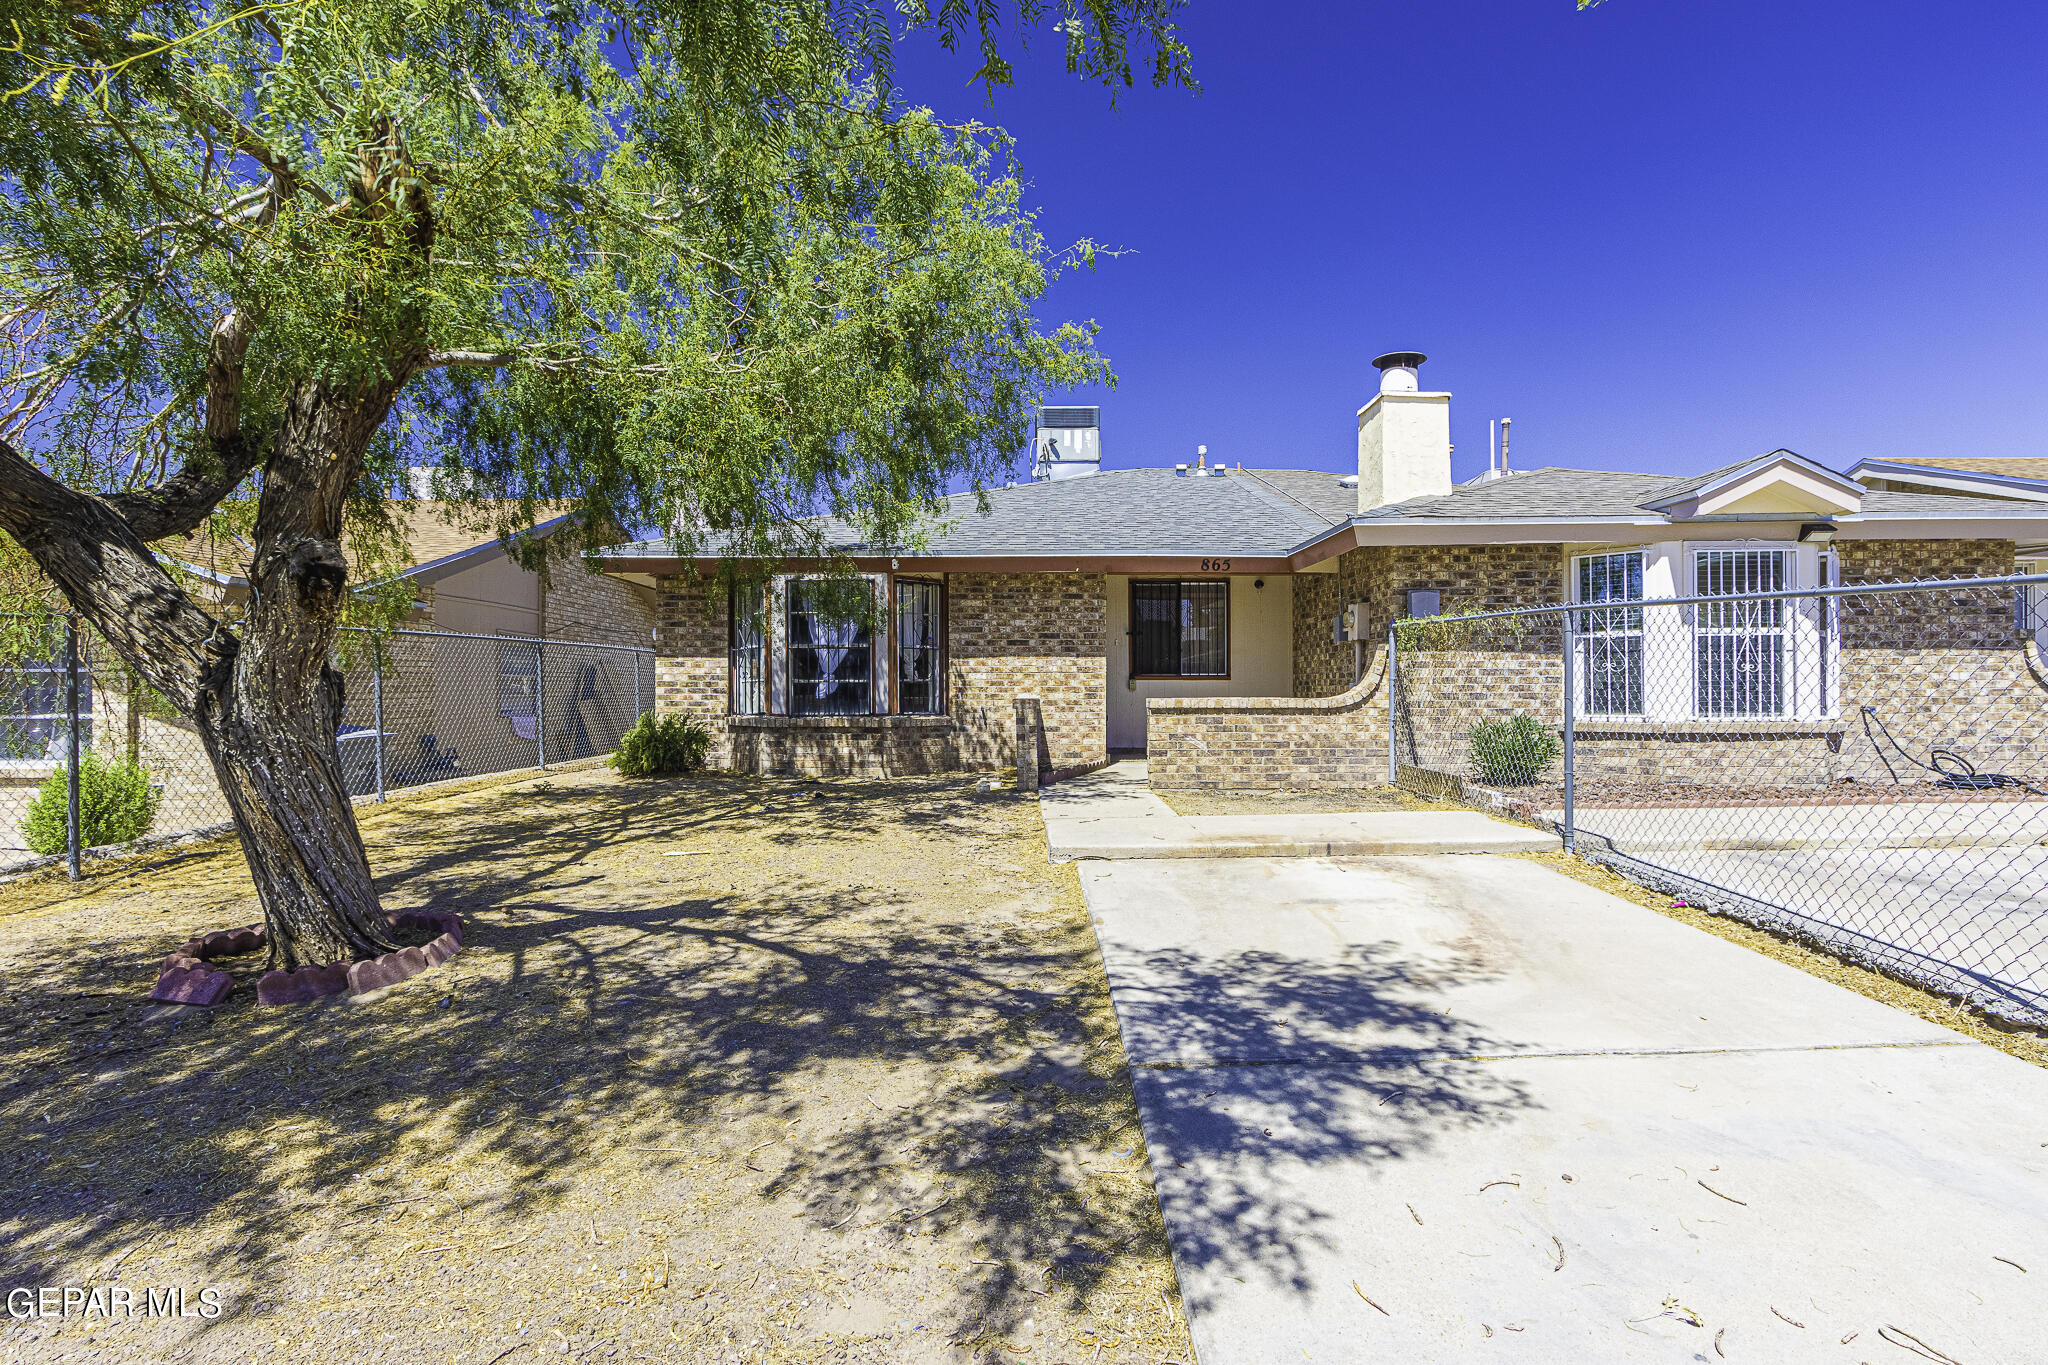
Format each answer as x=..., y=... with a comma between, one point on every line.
x=764, y=654
x=940, y=700
x=1180, y=599
x=791, y=647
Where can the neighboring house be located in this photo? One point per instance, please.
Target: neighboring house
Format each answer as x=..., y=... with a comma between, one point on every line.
x=1231, y=623
x=450, y=705
x=465, y=580
x=454, y=705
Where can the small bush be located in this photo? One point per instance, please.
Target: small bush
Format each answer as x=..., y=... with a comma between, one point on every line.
x=115, y=804
x=661, y=746
x=1513, y=751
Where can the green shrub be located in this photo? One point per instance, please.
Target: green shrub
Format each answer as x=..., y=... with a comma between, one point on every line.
x=115, y=804
x=662, y=746
x=1513, y=751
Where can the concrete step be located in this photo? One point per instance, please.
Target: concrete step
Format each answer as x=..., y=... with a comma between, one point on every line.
x=1350, y=834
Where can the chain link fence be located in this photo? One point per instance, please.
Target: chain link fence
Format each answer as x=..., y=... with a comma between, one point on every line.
x=90, y=756
x=1865, y=766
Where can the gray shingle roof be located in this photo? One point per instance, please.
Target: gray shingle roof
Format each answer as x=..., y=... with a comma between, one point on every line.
x=1115, y=512
x=1536, y=493
x=1548, y=493
x=1272, y=512
x=1320, y=491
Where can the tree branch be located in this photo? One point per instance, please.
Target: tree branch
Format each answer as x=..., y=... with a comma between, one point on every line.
x=225, y=457
x=110, y=578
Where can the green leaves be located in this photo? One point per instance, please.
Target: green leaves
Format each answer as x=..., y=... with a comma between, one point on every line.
x=689, y=264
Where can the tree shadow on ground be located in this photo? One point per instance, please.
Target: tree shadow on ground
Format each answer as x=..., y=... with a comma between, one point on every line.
x=850, y=1007
x=859, y=1025
x=1259, y=1071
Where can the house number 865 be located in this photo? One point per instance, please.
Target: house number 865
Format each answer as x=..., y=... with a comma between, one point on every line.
x=1215, y=566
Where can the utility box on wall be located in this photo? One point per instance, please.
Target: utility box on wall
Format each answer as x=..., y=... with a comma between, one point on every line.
x=1349, y=624
x=1425, y=602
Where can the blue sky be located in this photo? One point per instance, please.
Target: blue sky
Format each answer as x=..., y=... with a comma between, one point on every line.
x=1660, y=235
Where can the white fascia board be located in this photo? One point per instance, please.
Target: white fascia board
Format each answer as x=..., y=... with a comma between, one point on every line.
x=1470, y=531
x=1962, y=480
x=1622, y=529
x=1879, y=527
x=435, y=569
x=226, y=580
x=1847, y=486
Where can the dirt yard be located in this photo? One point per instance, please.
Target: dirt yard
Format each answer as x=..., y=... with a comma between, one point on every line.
x=728, y=1070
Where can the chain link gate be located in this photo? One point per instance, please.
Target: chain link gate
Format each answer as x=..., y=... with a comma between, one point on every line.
x=1865, y=766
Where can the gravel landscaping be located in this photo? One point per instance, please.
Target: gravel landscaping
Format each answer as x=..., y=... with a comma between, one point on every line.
x=727, y=1070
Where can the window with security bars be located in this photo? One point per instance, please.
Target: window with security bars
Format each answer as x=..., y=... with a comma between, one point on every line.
x=36, y=714
x=519, y=685
x=1610, y=639
x=1180, y=629
x=2030, y=604
x=831, y=650
x=1740, y=649
x=749, y=652
x=918, y=662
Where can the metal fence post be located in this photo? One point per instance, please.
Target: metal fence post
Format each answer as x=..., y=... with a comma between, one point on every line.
x=1393, y=680
x=377, y=706
x=540, y=705
x=71, y=832
x=1570, y=650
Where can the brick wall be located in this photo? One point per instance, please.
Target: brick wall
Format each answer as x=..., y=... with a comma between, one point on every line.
x=1940, y=669
x=1943, y=669
x=690, y=657
x=1040, y=635
x=1008, y=635
x=577, y=604
x=1333, y=733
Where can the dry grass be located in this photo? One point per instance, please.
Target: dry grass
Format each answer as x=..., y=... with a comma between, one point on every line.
x=2029, y=1045
x=839, y=1082
x=1319, y=801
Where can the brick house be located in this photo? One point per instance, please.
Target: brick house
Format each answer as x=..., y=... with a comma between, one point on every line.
x=1231, y=623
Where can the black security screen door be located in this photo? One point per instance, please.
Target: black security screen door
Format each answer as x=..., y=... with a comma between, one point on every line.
x=1155, y=628
x=1180, y=630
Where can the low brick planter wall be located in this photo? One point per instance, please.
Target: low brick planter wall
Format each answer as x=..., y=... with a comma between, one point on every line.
x=1273, y=743
x=190, y=978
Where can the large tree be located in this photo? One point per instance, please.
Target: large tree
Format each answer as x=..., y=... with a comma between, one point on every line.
x=688, y=264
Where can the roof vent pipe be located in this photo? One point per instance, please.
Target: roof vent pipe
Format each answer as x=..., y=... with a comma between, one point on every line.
x=1504, y=444
x=1493, y=450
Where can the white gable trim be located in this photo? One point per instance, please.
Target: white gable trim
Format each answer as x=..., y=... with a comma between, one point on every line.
x=1817, y=489
x=1956, y=480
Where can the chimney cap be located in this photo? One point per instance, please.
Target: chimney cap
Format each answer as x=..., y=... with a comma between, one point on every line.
x=1403, y=359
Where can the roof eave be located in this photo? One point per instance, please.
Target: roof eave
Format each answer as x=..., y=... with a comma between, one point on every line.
x=1840, y=481
x=1942, y=477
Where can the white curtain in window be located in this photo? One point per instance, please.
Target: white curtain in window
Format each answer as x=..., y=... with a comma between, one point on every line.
x=833, y=640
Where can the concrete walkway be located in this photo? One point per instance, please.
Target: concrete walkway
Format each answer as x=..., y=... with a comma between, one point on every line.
x=1113, y=814
x=1441, y=1108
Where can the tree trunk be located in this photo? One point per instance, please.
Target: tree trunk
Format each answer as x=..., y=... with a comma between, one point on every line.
x=265, y=701
x=273, y=750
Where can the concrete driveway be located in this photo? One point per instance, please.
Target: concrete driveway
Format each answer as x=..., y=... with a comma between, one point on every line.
x=1456, y=1107
x=1954, y=894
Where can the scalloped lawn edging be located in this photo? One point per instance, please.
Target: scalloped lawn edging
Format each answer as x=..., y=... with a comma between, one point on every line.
x=189, y=978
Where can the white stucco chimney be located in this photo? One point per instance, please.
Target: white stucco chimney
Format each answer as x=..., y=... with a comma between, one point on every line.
x=1404, y=436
